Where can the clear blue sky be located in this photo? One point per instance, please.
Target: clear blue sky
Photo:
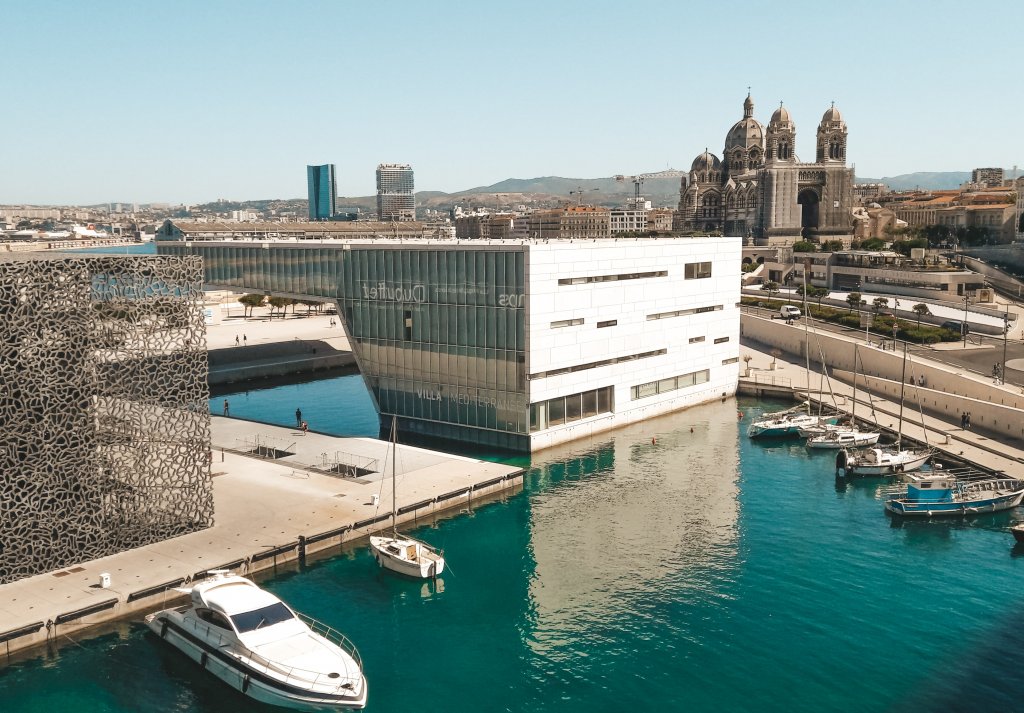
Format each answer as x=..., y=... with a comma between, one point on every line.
x=193, y=101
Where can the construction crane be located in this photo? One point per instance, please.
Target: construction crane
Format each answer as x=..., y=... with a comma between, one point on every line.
x=579, y=193
x=638, y=181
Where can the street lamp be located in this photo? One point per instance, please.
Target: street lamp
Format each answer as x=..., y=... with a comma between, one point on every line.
x=1006, y=332
x=963, y=327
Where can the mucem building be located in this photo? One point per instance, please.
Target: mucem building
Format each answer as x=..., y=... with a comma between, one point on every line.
x=515, y=344
x=103, y=407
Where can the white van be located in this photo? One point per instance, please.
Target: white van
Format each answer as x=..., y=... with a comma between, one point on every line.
x=790, y=312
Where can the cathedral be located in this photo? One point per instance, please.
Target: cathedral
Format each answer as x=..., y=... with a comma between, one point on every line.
x=761, y=191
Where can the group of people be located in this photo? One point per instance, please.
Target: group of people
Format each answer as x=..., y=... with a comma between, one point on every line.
x=245, y=340
x=299, y=423
x=965, y=420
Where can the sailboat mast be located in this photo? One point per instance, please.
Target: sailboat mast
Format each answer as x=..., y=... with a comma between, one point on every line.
x=853, y=411
x=807, y=339
x=903, y=388
x=394, y=457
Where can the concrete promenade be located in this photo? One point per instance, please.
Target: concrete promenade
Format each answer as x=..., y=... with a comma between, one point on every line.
x=975, y=446
x=267, y=512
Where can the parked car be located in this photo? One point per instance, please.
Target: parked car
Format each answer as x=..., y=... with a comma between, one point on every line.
x=961, y=328
x=789, y=312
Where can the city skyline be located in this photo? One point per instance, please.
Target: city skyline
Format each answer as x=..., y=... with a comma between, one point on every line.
x=186, y=103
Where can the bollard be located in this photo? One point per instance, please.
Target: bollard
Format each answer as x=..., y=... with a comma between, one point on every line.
x=302, y=551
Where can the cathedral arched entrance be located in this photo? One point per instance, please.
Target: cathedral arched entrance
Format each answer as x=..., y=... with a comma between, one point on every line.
x=809, y=214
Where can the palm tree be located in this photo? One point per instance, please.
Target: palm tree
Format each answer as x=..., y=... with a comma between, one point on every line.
x=880, y=303
x=920, y=309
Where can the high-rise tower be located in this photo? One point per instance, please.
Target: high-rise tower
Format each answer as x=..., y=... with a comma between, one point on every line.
x=323, y=193
x=396, y=197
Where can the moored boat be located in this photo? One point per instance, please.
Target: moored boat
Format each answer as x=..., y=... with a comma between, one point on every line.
x=881, y=461
x=1018, y=532
x=843, y=438
x=254, y=642
x=786, y=424
x=938, y=493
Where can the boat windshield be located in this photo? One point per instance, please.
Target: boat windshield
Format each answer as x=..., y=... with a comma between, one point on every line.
x=259, y=618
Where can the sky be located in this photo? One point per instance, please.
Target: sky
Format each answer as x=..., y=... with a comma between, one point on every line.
x=188, y=102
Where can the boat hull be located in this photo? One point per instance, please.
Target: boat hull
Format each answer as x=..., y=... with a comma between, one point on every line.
x=427, y=566
x=847, y=465
x=937, y=509
x=251, y=682
x=1018, y=533
x=859, y=441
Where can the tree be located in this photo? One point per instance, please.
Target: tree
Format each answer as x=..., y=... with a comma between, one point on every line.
x=310, y=304
x=818, y=293
x=903, y=247
x=920, y=309
x=873, y=244
x=771, y=287
x=279, y=303
x=804, y=246
x=880, y=303
x=831, y=246
x=250, y=302
x=853, y=299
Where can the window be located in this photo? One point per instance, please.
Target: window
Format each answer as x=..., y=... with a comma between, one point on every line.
x=694, y=340
x=611, y=278
x=609, y=323
x=721, y=340
x=568, y=409
x=684, y=312
x=697, y=270
x=258, y=618
x=212, y=617
x=596, y=364
x=567, y=323
x=642, y=391
x=734, y=360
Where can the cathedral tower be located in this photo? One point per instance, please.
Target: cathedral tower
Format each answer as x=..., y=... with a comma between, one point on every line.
x=832, y=137
x=781, y=137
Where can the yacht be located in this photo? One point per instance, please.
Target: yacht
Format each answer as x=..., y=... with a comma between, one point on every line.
x=786, y=423
x=889, y=460
x=254, y=642
x=843, y=438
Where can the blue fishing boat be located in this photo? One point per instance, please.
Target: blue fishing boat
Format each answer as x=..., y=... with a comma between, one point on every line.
x=932, y=494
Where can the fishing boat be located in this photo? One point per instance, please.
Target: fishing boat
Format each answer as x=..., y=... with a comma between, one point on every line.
x=397, y=552
x=940, y=493
x=843, y=438
x=254, y=642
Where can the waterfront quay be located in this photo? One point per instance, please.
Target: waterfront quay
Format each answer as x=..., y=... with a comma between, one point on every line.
x=276, y=501
x=769, y=375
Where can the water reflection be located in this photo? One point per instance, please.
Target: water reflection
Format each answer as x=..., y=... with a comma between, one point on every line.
x=650, y=508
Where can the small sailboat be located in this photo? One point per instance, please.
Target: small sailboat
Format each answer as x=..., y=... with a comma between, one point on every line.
x=397, y=552
x=788, y=423
x=843, y=438
x=849, y=436
x=937, y=493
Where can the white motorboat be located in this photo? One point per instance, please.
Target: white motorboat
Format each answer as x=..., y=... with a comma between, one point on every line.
x=881, y=461
x=843, y=438
x=785, y=424
x=398, y=552
x=255, y=643
x=820, y=429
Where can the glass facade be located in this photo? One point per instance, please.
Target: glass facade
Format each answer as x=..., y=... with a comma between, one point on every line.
x=440, y=334
x=323, y=195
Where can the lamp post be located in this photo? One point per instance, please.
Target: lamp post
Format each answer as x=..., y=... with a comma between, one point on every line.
x=1006, y=332
x=963, y=327
x=895, y=321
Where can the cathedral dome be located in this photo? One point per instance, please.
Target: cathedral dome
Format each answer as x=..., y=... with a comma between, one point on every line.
x=831, y=115
x=745, y=133
x=781, y=116
x=705, y=162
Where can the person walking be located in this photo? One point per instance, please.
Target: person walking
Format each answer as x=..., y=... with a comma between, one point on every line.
x=968, y=420
x=245, y=340
x=227, y=408
x=298, y=418
x=236, y=340
x=963, y=420
x=305, y=428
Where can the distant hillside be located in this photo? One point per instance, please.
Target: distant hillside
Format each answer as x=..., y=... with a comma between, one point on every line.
x=929, y=181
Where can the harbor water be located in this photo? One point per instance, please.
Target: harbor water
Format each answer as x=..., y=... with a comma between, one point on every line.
x=672, y=565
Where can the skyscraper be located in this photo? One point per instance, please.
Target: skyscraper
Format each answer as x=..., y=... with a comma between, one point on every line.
x=396, y=197
x=323, y=194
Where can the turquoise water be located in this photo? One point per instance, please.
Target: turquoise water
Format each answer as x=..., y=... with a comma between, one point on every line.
x=674, y=565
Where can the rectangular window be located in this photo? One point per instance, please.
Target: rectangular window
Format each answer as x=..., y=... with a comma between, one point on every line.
x=694, y=340
x=596, y=364
x=734, y=360
x=567, y=409
x=556, y=411
x=721, y=340
x=608, y=323
x=697, y=270
x=641, y=391
x=567, y=323
x=612, y=278
x=684, y=312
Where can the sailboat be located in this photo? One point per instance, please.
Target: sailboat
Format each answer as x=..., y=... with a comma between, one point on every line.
x=838, y=437
x=888, y=460
x=397, y=552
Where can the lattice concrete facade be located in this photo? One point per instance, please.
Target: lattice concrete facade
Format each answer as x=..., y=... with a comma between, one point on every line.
x=104, y=426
